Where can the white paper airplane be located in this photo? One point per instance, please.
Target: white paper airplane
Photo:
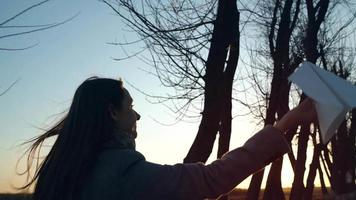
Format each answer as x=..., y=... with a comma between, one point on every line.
x=333, y=96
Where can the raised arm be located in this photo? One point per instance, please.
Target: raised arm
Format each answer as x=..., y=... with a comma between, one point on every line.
x=303, y=113
x=198, y=181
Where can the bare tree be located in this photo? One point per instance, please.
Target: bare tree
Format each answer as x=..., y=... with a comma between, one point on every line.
x=341, y=170
x=302, y=41
x=178, y=34
x=278, y=19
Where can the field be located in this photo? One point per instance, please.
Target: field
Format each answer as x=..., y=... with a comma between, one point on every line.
x=237, y=194
x=14, y=197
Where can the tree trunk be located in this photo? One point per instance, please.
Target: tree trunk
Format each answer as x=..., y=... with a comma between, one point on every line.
x=324, y=190
x=353, y=145
x=225, y=31
x=274, y=191
x=298, y=185
x=315, y=17
x=312, y=173
x=342, y=162
x=226, y=116
x=279, y=96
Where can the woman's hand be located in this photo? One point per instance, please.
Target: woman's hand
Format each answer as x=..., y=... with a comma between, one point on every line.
x=303, y=113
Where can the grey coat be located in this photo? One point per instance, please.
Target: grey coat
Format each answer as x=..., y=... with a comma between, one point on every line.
x=125, y=174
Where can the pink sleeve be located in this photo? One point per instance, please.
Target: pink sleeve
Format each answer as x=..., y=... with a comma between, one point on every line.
x=198, y=181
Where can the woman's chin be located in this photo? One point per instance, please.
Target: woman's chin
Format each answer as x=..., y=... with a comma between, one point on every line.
x=134, y=134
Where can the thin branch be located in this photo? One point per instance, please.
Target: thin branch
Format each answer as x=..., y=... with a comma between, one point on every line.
x=39, y=29
x=7, y=89
x=22, y=12
x=18, y=49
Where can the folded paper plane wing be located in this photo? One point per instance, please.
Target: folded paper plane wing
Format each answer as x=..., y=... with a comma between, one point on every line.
x=333, y=96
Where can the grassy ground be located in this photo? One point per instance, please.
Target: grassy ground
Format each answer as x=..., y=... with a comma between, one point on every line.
x=237, y=194
x=15, y=197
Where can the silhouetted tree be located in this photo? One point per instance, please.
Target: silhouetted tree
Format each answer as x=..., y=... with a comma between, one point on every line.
x=341, y=170
x=178, y=35
x=272, y=17
x=278, y=19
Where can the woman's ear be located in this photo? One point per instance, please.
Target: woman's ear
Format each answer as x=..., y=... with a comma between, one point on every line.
x=113, y=112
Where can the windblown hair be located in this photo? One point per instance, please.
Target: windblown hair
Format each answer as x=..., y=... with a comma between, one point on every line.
x=80, y=134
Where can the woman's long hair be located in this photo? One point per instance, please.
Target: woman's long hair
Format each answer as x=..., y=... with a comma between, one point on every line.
x=80, y=134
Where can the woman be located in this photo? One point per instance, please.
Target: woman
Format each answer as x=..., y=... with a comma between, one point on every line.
x=94, y=155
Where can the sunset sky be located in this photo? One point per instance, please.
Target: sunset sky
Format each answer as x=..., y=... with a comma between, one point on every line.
x=49, y=73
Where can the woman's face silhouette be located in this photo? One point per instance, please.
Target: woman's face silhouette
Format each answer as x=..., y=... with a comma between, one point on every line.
x=126, y=116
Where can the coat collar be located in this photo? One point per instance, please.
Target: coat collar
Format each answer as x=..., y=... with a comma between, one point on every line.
x=121, y=140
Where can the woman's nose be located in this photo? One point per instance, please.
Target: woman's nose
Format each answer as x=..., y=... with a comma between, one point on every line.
x=138, y=116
